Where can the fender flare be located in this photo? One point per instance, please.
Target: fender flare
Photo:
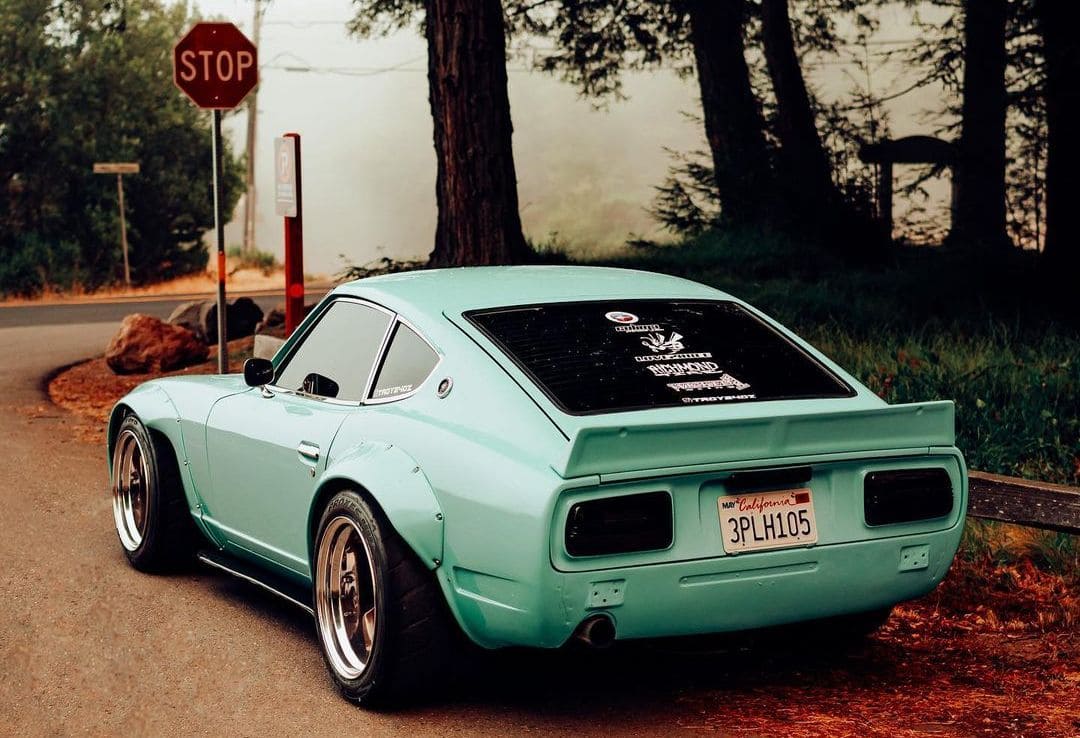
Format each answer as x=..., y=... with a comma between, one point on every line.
x=395, y=483
x=159, y=414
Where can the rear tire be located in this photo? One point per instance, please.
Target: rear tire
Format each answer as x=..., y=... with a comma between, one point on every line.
x=384, y=629
x=150, y=511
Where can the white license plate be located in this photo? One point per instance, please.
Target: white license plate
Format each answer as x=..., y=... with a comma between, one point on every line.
x=765, y=520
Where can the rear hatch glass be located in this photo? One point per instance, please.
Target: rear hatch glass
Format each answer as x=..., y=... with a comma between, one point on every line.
x=609, y=356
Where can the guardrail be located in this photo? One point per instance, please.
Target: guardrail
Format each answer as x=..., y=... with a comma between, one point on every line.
x=1024, y=502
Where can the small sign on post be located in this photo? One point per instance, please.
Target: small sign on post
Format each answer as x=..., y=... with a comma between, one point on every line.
x=216, y=66
x=120, y=168
x=289, y=203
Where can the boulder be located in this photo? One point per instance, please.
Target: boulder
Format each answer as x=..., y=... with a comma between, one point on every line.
x=241, y=317
x=273, y=319
x=189, y=315
x=146, y=344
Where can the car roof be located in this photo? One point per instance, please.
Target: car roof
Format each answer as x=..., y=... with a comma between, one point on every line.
x=455, y=290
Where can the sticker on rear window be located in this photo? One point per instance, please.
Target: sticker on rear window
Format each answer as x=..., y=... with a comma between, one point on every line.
x=659, y=353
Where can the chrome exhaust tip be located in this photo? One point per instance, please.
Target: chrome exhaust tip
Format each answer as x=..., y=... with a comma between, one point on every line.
x=596, y=631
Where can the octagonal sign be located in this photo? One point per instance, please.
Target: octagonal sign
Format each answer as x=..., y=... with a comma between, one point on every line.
x=215, y=65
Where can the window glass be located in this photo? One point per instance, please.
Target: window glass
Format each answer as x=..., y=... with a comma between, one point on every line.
x=409, y=361
x=634, y=354
x=341, y=347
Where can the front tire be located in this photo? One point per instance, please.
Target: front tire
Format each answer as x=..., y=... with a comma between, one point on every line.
x=384, y=630
x=150, y=511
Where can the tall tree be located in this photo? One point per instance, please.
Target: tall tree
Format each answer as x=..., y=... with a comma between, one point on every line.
x=979, y=214
x=734, y=126
x=803, y=160
x=476, y=182
x=597, y=40
x=1062, y=119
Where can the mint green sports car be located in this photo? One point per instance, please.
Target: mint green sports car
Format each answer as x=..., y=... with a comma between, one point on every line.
x=534, y=455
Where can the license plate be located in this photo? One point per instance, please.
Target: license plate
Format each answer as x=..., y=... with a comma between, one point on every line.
x=766, y=520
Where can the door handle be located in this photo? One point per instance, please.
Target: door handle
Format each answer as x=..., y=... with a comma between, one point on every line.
x=309, y=451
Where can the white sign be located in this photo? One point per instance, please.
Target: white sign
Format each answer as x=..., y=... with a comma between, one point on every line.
x=285, y=176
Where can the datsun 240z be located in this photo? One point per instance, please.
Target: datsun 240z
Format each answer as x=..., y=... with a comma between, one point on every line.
x=529, y=454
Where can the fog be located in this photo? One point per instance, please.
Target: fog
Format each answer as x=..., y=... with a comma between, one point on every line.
x=585, y=176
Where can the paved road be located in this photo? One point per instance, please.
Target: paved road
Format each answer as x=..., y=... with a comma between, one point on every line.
x=97, y=311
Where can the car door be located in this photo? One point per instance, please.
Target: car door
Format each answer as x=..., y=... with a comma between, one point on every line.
x=266, y=447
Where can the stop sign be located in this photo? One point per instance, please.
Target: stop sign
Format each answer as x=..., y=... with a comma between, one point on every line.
x=215, y=65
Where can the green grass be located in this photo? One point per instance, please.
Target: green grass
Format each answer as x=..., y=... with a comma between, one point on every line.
x=254, y=259
x=924, y=324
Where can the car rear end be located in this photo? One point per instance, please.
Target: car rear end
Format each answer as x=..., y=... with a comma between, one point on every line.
x=720, y=474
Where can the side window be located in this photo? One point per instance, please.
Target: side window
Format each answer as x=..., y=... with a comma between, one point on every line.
x=335, y=358
x=409, y=361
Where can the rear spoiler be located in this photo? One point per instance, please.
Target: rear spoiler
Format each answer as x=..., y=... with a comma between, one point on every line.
x=610, y=448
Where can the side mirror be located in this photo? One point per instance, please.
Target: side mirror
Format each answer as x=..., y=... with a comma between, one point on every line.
x=258, y=372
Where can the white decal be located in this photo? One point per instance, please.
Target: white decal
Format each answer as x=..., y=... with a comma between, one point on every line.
x=656, y=343
x=724, y=382
x=717, y=398
x=396, y=390
x=671, y=357
x=618, y=316
x=685, y=368
x=643, y=328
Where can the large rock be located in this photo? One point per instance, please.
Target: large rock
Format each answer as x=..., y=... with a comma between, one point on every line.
x=241, y=317
x=190, y=316
x=146, y=344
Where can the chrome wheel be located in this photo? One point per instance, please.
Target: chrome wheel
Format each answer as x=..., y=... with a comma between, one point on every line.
x=130, y=491
x=345, y=597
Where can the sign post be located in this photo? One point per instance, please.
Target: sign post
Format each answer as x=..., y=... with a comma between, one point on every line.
x=120, y=169
x=216, y=66
x=289, y=203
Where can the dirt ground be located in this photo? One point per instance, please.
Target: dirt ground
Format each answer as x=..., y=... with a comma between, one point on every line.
x=994, y=651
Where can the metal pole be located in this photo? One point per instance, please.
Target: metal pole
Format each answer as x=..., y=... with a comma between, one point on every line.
x=219, y=224
x=294, y=249
x=252, y=118
x=123, y=229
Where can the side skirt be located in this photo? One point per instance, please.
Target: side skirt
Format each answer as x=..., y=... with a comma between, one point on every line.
x=239, y=568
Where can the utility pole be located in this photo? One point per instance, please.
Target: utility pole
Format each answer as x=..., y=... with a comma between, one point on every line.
x=252, y=118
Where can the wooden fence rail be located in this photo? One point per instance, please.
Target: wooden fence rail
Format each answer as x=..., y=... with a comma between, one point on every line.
x=1022, y=501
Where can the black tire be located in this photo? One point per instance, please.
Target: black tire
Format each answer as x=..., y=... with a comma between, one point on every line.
x=162, y=536
x=414, y=637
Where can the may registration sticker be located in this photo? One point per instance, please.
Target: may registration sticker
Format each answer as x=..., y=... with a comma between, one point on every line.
x=766, y=520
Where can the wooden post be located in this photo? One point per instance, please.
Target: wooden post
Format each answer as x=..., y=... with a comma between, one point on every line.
x=123, y=228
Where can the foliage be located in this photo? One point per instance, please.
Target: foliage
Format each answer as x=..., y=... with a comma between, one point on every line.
x=264, y=261
x=91, y=81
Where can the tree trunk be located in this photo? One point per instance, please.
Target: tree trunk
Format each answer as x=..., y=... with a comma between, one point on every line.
x=476, y=185
x=803, y=161
x=979, y=216
x=1063, y=147
x=733, y=121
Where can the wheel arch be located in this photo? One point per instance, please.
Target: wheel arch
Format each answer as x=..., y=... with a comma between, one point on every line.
x=155, y=409
x=392, y=481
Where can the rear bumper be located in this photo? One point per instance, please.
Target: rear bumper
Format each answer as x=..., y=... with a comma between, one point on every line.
x=717, y=595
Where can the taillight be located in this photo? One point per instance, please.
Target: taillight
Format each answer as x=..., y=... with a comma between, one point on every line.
x=614, y=525
x=906, y=495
